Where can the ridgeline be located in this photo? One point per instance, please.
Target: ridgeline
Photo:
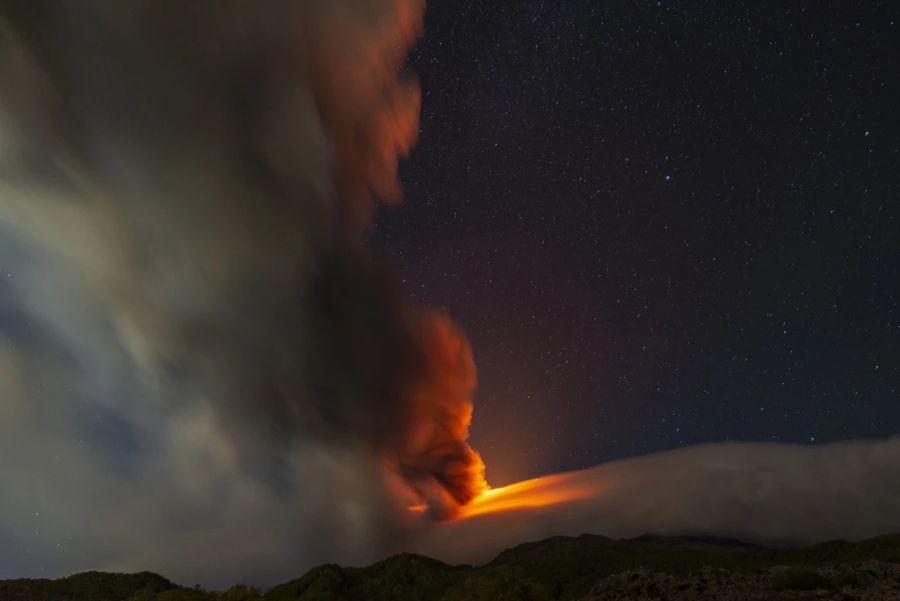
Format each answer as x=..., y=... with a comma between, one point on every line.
x=592, y=568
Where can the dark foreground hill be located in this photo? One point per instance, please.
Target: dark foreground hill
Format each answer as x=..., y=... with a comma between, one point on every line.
x=592, y=568
x=89, y=586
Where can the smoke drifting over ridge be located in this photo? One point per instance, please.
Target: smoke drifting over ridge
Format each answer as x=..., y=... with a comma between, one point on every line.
x=766, y=493
x=195, y=317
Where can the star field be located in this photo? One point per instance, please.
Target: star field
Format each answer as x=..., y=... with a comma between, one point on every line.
x=659, y=223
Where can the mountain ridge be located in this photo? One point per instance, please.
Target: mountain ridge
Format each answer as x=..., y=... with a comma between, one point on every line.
x=557, y=568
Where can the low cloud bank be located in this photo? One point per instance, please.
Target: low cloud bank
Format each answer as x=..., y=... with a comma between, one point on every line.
x=773, y=494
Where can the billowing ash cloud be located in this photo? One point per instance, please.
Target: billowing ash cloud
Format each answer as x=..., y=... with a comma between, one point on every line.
x=771, y=494
x=205, y=371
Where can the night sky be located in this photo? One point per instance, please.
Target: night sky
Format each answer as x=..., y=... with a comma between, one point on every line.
x=659, y=223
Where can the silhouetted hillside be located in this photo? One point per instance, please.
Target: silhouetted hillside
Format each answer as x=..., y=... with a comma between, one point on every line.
x=560, y=568
x=404, y=577
x=89, y=586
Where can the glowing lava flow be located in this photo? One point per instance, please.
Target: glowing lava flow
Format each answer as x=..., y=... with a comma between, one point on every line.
x=537, y=492
x=527, y=494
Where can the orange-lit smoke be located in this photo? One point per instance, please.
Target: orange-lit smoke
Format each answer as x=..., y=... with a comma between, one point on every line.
x=444, y=472
x=368, y=104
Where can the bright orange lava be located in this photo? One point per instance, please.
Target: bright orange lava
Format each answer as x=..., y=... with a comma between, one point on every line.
x=527, y=494
x=537, y=492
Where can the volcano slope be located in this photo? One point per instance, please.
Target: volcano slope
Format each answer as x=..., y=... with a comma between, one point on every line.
x=588, y=567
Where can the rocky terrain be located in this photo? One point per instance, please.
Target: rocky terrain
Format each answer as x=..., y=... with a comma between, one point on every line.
x=869, y=581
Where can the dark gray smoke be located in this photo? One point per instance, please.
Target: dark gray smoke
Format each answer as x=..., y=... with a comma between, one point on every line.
x=198, y=349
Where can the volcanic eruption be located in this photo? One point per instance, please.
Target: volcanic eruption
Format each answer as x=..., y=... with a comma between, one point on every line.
x=210, y=360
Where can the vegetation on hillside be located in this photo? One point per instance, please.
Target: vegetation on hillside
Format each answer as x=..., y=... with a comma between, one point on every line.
x=88, y=586
x=559, y=568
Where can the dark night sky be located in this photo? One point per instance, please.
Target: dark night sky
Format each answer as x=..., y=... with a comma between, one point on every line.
x=660, y=223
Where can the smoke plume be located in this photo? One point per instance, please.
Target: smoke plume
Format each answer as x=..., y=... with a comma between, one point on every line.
x=198, y=348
